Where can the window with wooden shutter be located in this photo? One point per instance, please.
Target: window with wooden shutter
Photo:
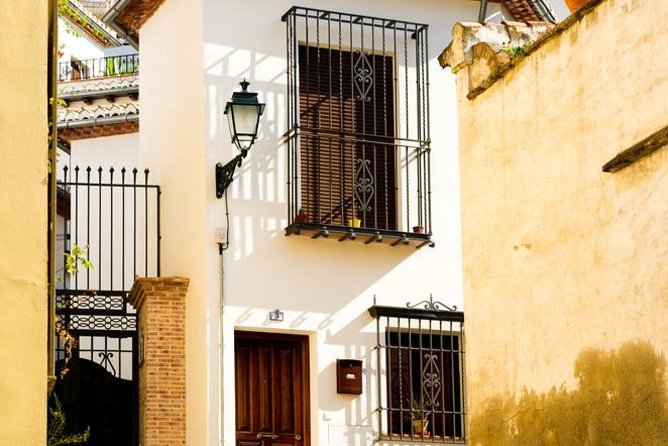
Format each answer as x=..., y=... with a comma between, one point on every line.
x=358, y=128
x=347, y=158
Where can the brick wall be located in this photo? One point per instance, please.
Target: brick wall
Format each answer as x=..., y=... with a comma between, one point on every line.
x=161, y=305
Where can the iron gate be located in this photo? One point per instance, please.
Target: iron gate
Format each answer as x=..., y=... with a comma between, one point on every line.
x=114, y=221
x=99, y=389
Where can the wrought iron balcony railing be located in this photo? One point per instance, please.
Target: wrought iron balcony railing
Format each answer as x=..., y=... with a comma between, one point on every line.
x=358, y=127
x=97, y=7
x=76, y=69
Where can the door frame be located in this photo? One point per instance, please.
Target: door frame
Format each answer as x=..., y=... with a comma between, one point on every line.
x=304, y=341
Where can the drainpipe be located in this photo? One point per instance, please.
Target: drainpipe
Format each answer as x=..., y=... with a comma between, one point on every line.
x=223, y=243
x=482, y=13
x=52, y=93
x=221, y=383
x=543, y=10
x=103, y=120
x=109, y=18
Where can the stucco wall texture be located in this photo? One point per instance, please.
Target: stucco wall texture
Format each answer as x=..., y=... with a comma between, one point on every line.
x=23, y=253
x=566, y=289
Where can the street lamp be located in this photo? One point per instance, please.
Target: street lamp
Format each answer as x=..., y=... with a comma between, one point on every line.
x=243, y=117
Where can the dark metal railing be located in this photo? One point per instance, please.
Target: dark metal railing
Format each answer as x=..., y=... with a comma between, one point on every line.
x=419, y=357
x=98, y=7
x=358, y=129
x=77, y=69
x=115, y=218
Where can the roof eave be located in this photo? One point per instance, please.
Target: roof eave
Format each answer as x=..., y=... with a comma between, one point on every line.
x=128, y=16
x=530, y=10
x=110, y=19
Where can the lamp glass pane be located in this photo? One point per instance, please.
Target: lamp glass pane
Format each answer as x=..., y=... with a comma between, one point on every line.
x=230, y=123
x=245, y=119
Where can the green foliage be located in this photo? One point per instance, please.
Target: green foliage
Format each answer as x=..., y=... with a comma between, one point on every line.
x=118, y=65
x=75, y=16
x=78, y=256
x=621, y=395
x=60, y=102
x=515, y=50
x=55, y=433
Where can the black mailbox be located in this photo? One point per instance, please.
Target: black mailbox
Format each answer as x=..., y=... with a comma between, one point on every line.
x=349, y=376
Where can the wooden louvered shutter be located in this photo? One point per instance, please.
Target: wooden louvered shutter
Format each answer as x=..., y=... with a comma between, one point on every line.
x=347, y=161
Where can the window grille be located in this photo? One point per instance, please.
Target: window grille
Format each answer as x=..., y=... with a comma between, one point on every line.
x=420, y=372
x=358, y=128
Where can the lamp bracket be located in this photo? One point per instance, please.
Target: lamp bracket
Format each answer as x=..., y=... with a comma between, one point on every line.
x=225, y=174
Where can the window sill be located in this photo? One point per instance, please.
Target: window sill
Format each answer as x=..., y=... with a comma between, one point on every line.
x=365, y=235
x=419, y=439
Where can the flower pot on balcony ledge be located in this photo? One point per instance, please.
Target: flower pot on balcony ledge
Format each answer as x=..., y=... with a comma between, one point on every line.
x=354, y=222
x=420, y=427
x=574, y=5
x=418, y=229
x=302, y=217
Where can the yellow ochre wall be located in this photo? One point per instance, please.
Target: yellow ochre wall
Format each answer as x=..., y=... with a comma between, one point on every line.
x=566, y=267
x=23, y=213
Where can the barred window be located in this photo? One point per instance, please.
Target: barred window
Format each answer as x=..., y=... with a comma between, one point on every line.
x=358, y=128
x=420, y=362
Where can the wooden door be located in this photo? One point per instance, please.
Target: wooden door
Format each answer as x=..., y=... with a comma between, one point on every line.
x=271, y=389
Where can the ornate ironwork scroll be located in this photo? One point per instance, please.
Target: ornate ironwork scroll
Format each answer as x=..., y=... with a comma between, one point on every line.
x=431, y=382
x=364, y=184
x=363, y=79
x=432, y=304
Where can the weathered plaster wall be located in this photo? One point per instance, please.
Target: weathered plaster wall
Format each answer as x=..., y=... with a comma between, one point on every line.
x=564, y=265
x=23, y=247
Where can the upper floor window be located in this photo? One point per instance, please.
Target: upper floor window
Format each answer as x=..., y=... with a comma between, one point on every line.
x=358, y=127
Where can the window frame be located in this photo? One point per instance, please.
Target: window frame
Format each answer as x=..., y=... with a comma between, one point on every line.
x=380, y=152
x=433, y=321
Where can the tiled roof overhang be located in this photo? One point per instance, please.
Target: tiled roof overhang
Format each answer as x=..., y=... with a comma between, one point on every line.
x=130, y=15
x=98, y=107
x=95, y=131
x=528, y=10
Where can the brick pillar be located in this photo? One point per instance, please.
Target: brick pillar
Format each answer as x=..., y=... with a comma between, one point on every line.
x=161, y=307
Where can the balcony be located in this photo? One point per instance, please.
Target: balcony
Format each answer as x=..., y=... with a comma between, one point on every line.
x=358, y=128
x=76, y=69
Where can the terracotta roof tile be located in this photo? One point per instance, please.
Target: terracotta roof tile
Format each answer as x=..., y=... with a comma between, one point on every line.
x=96, y=131
x=522, y=11
x=97, y=110
x=99, y=84
x=136, y=13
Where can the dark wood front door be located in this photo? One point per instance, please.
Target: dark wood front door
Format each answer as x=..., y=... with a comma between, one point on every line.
x=272, y=396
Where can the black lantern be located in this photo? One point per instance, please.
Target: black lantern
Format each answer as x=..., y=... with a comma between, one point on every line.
x=243, y=116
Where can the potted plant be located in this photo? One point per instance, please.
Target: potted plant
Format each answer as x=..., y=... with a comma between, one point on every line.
x=302, y=216
x=574, y=5
x=418, y=229
x=354, y=222
x=419, y=417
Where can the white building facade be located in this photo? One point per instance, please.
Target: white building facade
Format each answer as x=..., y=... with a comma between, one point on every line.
x=323, y=287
